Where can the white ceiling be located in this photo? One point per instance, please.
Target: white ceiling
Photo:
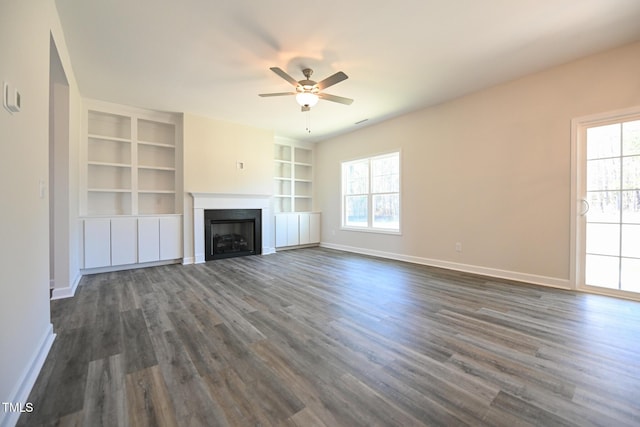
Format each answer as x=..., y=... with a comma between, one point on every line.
x=212, y=57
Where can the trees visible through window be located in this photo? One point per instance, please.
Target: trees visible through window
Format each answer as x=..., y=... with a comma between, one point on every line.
x=371, y=193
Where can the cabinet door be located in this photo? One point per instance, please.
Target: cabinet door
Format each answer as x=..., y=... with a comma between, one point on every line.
x=281, y=231
x=314, y=228
x=304, y=228
x=148, y=239
x=124, y=241
x=170, y=238
x=97, y=243
x=293, y=231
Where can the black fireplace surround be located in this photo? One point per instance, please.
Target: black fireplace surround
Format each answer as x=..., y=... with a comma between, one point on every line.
x=232, y=232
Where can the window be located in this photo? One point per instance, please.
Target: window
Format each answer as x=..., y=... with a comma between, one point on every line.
x=371, y=193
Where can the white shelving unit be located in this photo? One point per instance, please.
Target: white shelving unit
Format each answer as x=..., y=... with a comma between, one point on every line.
x=295, y=222
x=109, y=164
x=293, y=178
x=133, y=163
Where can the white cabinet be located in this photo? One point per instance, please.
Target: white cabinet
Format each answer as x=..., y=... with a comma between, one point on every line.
x=148, y=239
x=287, y=230
x=130, y=240
x=97, y=243
x=159, y=238
x=309, y=228
x=124, y=245
x=294, y=229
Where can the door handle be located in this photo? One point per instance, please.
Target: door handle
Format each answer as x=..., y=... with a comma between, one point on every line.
x=585, y=206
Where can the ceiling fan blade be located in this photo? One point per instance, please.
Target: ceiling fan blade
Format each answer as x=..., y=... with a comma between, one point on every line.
x=284, y=75
x=334, y=98
x=331, y=80
x=276, y=94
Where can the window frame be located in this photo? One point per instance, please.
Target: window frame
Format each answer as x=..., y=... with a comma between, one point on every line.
x=369, y=228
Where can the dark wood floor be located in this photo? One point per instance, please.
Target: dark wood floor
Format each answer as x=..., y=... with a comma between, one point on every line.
x=316, y=337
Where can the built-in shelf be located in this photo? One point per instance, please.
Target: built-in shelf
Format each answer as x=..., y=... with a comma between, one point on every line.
x=109, y=190
x=293, y=178
x=131, y=161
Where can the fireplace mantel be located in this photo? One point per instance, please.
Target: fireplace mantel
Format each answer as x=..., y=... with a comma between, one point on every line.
x=202, y=201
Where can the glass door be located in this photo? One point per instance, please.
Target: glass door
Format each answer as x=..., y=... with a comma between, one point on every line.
x=610, y=199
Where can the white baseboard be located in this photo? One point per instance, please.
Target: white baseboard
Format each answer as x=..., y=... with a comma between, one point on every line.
x=109, y=269
x=25, y=384
x=69, y=291
x=474, y=269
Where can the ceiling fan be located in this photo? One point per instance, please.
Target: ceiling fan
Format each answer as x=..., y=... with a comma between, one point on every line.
x=309, y=92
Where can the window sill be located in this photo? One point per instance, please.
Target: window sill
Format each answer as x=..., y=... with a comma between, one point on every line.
x=372, y=230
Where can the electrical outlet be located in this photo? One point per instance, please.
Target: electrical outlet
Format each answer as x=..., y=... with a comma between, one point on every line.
x=458, y=247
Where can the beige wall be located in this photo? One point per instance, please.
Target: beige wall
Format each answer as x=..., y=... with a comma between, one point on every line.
x=25, y=328
x=490, y=170
x=212, y=149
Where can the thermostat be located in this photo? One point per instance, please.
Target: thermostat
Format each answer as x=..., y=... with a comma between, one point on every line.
x=11, y=98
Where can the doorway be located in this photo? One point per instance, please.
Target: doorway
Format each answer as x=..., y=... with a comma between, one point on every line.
x=607, y=178
x=59, y=209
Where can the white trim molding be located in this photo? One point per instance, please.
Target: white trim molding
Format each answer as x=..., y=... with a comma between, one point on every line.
x=466, y=268
x=23, y=388
x=66, y=292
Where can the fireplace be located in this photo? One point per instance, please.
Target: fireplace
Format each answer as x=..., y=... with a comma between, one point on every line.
x=232, y=232
x=223, y=201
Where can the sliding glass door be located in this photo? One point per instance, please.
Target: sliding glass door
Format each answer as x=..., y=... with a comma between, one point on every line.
x=609, y=208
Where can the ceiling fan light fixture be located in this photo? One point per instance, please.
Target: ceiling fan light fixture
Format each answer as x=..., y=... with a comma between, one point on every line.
x=307, y=99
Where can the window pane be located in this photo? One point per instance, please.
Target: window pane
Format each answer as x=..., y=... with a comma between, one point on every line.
x=356, y=177
x=631, y=241
x=603, y=174
x=631, y=207
x=385, y=174
x=603, y=239
x=356, y=211
x=631, y=173
x=630, y=275
x=631, y=138
x=386, y=211
x=603, y=141
x=602, y=271
x=604, y=206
